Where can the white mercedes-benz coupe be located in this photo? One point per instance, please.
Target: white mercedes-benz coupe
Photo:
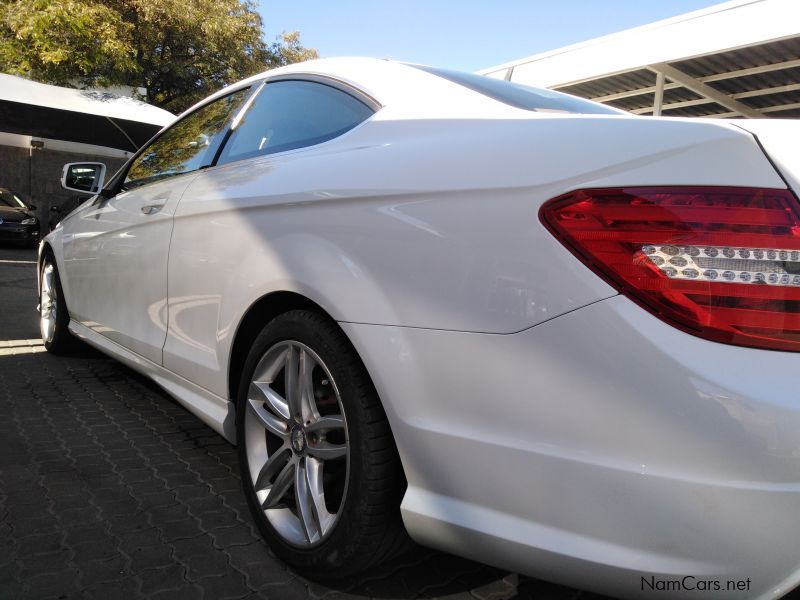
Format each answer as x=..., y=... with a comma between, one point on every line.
x=506, y=322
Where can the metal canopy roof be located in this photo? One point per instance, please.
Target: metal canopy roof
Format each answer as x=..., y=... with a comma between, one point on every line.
x=736, y=59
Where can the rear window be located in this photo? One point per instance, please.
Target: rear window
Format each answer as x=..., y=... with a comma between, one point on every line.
x=522, y=96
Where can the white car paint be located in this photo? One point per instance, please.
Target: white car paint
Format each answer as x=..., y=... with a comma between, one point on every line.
x=597, y=448
x=545, y=424
x=778, y=138
x=120, y=246
x=456, y=261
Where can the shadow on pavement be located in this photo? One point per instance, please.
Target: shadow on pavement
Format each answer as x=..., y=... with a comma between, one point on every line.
x=110, y=489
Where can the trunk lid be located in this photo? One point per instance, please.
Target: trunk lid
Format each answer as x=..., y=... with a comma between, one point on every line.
x=779, y=139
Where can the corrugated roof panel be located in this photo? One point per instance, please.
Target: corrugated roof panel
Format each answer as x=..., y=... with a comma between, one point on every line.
x=633, y=103
x=742, y=54
x=729, y=27
x=680, y=94
x=732, y=60
x=793, y=113
x=701, y=110
x=604, y=86
x=744, y=89
x=772, y=100
x=761, y=81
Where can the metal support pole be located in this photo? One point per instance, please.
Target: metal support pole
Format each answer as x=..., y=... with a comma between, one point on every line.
x=658, y=100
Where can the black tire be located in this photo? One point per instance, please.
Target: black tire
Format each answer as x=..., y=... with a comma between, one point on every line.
x=368, y=528
x=62, y=341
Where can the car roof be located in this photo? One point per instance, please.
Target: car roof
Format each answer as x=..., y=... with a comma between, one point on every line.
x=390, y=83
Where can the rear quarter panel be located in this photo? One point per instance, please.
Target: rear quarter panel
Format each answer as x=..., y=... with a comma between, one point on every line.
x=429, y=223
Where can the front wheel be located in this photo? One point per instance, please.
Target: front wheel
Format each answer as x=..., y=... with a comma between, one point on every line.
x=53, y=315
x=319, y=466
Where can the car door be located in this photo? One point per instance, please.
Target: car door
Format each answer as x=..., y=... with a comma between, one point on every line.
x=116, y=248
x=219, y=240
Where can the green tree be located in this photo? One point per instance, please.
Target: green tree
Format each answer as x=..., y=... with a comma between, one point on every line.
x=179, y=51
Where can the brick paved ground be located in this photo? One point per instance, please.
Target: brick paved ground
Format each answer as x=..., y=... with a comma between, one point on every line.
x=109, y=489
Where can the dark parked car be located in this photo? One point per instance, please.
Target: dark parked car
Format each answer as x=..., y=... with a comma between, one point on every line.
x=18, y=222
x=57, y=213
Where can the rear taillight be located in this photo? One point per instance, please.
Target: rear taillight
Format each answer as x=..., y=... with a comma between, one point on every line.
x=721, y=263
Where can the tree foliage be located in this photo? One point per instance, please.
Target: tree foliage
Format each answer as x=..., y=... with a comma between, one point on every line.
x=179, y=51
x=185, y=145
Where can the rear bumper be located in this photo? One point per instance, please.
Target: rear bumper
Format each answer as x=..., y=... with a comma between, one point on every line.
x=597, y=449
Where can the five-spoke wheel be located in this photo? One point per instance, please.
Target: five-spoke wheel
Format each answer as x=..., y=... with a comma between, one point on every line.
x=319, y=466
x=48, y=307
x=296, y=442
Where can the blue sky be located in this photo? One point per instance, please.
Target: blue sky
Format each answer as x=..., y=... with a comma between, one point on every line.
x=466, y=34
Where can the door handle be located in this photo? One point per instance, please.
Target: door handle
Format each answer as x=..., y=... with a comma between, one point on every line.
x=151, y=209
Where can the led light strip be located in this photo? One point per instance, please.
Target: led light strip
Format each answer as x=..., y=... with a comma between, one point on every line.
x=762, y=266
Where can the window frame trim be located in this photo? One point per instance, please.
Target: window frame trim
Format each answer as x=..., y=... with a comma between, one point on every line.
x=343, y=86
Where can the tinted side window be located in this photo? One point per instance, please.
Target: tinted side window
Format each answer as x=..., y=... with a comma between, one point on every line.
x=188, y=144
x=293, y=114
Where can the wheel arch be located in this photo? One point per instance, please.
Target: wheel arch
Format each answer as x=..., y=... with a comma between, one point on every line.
x=47, y=247
x=259, y=314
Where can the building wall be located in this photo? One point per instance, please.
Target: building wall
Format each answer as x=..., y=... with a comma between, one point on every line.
x=15, y=172
x=34, y=174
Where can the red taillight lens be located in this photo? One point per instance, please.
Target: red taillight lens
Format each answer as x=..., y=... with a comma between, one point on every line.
x=721, y=263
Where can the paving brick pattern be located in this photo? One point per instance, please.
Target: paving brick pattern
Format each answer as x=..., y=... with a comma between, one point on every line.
x=109, y=489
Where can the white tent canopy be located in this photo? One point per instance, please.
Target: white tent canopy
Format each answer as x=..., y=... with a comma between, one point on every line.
x=739, y=58
x=18, y=89
x=84, y=121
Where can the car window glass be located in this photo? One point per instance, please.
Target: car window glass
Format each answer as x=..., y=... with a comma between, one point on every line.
x=522, y=96
x=293, y=114
x=9, y=199
x=188, y=145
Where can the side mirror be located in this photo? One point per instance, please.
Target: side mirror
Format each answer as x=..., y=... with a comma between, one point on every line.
x=32, y=206
x=86, y=178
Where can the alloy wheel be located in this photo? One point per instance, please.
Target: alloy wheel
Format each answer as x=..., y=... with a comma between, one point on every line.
x=297, y=444
x=48, y=310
